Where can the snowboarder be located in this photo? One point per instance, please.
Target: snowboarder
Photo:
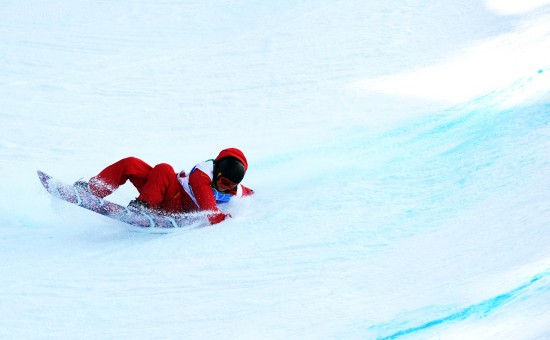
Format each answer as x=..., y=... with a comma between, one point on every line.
x=161, y=188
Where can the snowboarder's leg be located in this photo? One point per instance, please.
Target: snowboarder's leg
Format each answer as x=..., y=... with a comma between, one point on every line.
x=116, y=174
x=162, y=190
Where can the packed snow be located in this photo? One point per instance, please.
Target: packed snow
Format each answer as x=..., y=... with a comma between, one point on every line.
x=399, y=152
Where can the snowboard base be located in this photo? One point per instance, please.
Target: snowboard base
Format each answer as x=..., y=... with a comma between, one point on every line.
x=135, y=217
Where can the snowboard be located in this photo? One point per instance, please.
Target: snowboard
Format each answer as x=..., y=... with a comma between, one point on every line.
x=133, y=216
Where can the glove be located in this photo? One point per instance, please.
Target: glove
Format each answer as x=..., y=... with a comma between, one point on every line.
x=247, y=191
x=218, y=217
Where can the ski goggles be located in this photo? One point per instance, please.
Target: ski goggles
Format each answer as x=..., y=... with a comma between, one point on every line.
x=227, y=183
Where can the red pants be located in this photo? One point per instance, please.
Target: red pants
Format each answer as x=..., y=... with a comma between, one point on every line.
x=158, y=186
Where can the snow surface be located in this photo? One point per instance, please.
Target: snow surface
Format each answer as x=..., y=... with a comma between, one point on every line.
x=399, y=152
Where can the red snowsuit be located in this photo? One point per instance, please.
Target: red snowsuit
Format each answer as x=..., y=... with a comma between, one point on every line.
x=164, y=189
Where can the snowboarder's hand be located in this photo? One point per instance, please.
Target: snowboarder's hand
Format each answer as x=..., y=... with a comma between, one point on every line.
x=218, y=217
x=247, y=191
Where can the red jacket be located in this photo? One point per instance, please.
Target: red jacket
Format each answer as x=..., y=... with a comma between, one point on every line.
x=199, y=193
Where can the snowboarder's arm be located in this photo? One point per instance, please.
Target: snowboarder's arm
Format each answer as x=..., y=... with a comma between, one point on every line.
x=200, y=184
x=246, y=191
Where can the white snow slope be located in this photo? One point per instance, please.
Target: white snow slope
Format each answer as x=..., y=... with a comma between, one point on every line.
x=399, y=151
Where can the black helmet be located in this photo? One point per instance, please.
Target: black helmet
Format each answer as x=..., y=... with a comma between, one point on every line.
x=230, y=168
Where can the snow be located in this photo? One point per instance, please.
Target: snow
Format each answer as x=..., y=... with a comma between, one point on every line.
x=398, y=150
